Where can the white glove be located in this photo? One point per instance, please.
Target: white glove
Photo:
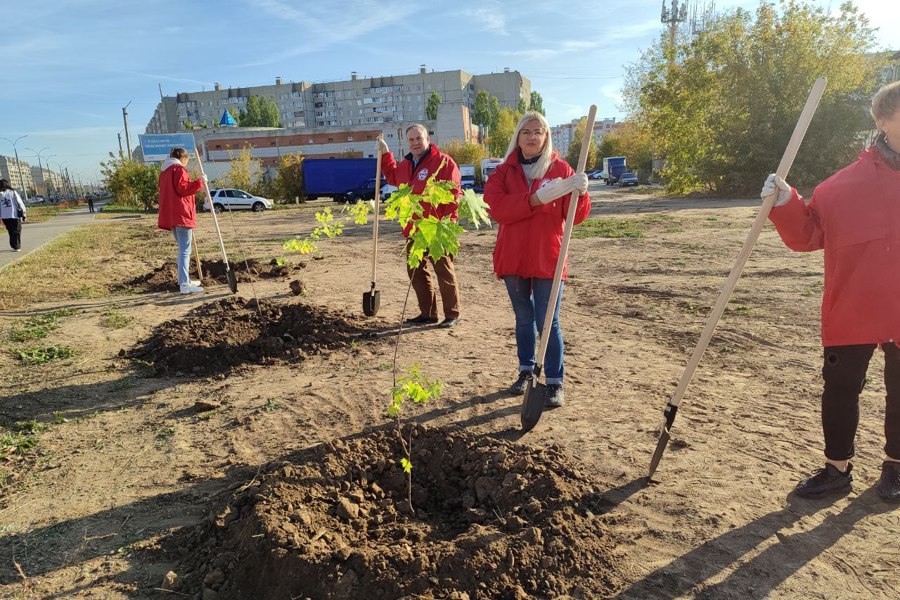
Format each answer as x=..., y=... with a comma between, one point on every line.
x=555, y=189
x=775, y=184
x=381, y=147
x=205, y=179
x=581, y=182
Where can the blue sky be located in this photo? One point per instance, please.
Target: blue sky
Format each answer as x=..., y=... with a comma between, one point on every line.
x=69, y=66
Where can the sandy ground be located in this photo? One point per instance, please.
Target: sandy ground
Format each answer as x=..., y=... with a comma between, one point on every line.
x=134, y=461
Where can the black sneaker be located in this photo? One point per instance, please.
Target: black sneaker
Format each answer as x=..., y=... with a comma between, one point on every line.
x=825, y=481
x=556, y=397
x=889, y=484
x=518, y=388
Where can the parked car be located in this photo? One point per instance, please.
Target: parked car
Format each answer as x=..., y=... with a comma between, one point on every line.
x=231, y=199
x=366, y=191
x=627, y=178
x=598, y=174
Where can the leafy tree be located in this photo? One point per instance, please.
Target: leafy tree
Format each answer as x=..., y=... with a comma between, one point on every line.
x=575, y=147
x=261, y=111
x=482, y=114
x=632, y=141
x=723, y=103
x=536, y=103
x=188, y=124
x=502, y=132
x=495, y=112
x=131, y=183
x=431, y=109
x=465, y=153
x=244, y=172
x=289, y=177
x=522, y=107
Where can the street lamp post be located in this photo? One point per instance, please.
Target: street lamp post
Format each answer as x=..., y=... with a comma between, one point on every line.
x=65, y=185
x=50, y=186
x=125, y=118
x=40, y=168
x=18, y=164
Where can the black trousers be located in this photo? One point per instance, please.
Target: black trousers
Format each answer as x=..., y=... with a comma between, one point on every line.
x=844, y=373
x=14, y=227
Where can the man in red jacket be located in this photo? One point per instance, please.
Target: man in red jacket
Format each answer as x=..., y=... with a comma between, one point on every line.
x=423, y=160
x=178, y=212
x=854, y=216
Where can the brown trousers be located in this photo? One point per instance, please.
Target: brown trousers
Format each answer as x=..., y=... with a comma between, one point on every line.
x=423, y=284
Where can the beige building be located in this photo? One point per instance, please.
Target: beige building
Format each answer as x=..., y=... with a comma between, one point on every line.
x=387, y=104
x=18, y=173
x=562, y=135
x=46, y=182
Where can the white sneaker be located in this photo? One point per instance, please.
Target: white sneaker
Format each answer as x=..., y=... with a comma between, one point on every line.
x=191, y=289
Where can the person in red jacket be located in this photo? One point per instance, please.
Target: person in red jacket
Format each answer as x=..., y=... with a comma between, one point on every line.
x=178, y=212
x=854, y=215
x=423, y=160
x=528, y=195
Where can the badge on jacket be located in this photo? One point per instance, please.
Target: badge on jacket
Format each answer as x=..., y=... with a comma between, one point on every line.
x=423, y=175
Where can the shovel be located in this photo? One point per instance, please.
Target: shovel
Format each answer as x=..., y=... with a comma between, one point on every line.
x=536, y=393
x=372, y=298
x=229, y=274
x=783, y=168
x=197, y=258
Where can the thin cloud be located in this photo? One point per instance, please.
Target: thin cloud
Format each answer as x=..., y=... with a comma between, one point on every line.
x=323, y=26
x=490, y=17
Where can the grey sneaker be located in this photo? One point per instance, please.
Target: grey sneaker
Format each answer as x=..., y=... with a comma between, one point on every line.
x=825, y=481
x=190, y=289
x=518, y=388
x=556, y=398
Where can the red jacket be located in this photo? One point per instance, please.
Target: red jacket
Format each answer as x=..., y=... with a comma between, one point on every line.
x=529, y=238
x=855, y=216
x=176, y=196
x=418, y=176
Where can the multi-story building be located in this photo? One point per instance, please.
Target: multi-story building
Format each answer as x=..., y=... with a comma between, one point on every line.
x=46, y=182
x=17, y=172
x=562, y=135
x=386, y=104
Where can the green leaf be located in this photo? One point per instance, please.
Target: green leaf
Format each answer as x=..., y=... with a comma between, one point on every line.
x=473, y=209
x=407, y=465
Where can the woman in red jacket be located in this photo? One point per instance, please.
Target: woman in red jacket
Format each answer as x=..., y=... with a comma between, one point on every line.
x=528, y=196
x=178, y=212
x=854, y=216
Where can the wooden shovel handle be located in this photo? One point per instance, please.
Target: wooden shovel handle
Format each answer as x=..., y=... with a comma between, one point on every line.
x=783, y=168
x=212, y=208
x=377, y=202
x=586, y=138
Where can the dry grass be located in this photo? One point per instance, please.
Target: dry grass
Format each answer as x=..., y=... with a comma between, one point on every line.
x=85, y=262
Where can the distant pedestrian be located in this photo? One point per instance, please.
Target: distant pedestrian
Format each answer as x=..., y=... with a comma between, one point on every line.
x=12, y=211
x=90, y=203
x=178, y=211
x=529, y=196
x=854, y=215
x=424, y=161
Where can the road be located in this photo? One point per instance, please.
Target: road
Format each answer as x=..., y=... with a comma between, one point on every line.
x=35, y=235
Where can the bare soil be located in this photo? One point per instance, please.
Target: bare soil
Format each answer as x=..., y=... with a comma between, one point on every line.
x=277, y=477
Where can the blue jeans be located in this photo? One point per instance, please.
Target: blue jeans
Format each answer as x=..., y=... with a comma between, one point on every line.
x=529, y=301
x=183, y=236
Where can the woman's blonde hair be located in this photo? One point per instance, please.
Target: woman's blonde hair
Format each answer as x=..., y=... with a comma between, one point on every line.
x=546, y=157
x=886, y=102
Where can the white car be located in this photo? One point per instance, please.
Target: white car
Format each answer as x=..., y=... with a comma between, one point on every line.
x=232, y=199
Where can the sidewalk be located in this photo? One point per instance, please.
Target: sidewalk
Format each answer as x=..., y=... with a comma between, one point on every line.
x=35, y=235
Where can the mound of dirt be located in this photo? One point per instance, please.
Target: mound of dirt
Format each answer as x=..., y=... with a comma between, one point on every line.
x=234, y=331
x=493, y=520
x=165, y=278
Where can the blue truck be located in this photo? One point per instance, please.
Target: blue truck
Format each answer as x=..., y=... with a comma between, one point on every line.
x=335, y=177
x=613, y=166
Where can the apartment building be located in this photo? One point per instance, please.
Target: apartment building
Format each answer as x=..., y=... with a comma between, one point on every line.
x=46, y=182
x=562, y=135
x=17, y=172
x=385, y=104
